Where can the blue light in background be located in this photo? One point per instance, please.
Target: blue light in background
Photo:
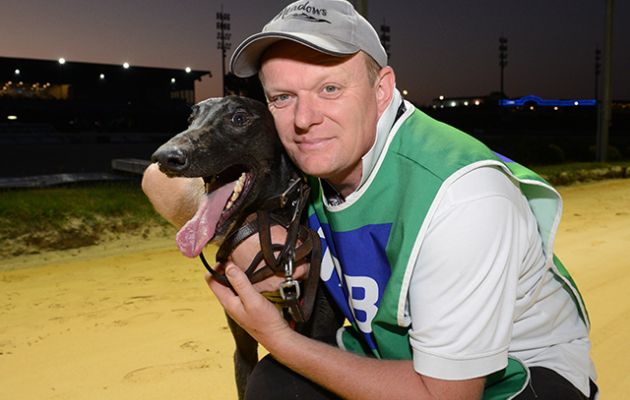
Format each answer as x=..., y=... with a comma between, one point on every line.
x=527, y=100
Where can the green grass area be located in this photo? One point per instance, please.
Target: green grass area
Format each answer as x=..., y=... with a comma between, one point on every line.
x=34, y=220
x=66, y=217
x=576, y=172
x=49, y=207
x=558, y=168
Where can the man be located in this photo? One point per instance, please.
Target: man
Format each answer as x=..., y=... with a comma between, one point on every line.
x=438, y=251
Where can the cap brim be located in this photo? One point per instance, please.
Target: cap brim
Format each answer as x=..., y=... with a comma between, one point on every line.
x=245, y=60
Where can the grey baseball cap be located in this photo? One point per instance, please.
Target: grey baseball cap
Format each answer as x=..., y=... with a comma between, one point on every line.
x=329, y=26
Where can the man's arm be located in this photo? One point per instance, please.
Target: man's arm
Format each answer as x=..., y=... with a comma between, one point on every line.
x=347, y=374
x=175, y=199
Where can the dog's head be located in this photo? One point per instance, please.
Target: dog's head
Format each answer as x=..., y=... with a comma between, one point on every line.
x=232, y=144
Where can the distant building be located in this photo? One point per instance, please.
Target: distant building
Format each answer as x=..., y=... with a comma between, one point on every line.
x=494, y=100
x=464, y=101
x=79, y=96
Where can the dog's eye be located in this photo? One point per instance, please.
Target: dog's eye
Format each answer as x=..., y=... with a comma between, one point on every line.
x=239, y=118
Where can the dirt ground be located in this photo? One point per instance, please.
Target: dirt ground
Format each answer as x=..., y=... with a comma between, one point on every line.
x=133, y=319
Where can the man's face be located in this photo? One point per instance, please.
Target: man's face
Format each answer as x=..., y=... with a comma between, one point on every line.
x=325, y=110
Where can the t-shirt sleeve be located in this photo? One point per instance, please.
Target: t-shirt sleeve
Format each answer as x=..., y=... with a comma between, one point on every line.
x=463, y=288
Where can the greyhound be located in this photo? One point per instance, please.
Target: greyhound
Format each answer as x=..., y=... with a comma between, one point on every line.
x=250, y=184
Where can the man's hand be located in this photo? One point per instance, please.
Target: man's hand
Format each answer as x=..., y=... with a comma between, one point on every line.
x=248, y=307
x=245, y=252
x=345, y=373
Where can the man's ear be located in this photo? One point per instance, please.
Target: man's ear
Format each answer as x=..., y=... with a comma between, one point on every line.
x=385, y=85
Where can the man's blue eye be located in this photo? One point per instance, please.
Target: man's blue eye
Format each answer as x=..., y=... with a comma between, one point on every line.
x=280, y=100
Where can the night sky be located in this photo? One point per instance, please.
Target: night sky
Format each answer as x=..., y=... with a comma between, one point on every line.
x=445, y=47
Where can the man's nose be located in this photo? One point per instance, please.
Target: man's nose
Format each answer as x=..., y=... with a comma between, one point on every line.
x=307, y=113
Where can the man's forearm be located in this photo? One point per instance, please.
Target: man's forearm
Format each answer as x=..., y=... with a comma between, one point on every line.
x=175, y=199
x=347, y=374
x=356, y=377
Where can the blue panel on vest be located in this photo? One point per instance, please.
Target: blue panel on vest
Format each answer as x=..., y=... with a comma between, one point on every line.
x=364, y=264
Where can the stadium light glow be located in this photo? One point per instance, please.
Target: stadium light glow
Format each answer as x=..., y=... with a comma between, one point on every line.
x=62, y=61
x=12, y=117
x=172, y=80
x=101, y=76
x=126, y=65
x=17, y=72
x=188, y=69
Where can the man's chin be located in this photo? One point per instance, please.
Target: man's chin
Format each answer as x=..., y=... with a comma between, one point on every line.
x=316, y=168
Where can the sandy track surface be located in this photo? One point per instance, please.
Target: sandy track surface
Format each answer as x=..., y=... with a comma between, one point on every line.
x=594, y=244
x=134, y=319
x=123, y=321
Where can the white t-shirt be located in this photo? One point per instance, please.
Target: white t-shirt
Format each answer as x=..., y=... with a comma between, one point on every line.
x=474, y=307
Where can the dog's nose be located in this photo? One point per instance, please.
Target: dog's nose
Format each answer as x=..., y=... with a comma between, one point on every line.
x=171, y=159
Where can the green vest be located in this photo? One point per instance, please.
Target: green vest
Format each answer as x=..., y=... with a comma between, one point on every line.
x=419, y=161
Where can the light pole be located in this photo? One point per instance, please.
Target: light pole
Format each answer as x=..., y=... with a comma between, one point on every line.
x=598, y=64
x=604, y=106
x=502, y=60
x=223, y=40
x=385, y=38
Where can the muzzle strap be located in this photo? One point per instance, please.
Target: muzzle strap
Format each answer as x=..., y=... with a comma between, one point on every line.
x=286, y=210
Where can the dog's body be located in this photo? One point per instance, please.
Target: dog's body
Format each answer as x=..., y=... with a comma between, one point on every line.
x=229, y=138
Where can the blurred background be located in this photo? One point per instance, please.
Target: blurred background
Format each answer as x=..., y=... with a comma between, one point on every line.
x=84, y=83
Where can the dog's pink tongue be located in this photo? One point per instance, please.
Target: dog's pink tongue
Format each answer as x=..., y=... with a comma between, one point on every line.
x=197, y=232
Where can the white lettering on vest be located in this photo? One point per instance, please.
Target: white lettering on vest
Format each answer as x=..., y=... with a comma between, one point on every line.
x=363, y=299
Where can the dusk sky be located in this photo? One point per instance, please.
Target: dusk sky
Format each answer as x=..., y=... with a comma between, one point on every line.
x=445, y=47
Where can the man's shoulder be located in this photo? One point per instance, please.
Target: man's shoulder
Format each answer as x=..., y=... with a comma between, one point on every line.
x=436, y=146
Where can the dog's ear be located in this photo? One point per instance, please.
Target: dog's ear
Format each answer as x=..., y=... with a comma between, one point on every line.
x=193, y=114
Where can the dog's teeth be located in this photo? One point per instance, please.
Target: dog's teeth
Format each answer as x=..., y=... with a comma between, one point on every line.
x=238, y=187
x=241, y=180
